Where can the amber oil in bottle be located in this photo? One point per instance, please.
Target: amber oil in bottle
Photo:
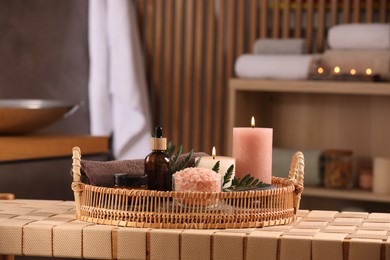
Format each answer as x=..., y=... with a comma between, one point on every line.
x=157, y=163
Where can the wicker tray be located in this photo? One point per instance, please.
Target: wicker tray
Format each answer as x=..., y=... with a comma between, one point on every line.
x=198, y=210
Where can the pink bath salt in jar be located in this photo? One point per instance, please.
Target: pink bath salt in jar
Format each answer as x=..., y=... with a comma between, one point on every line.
x=197, y=179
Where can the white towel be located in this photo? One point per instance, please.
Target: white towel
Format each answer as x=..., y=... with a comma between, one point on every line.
x=359, y=36
x=279, y=46
x=273, y=66
x=118, y=99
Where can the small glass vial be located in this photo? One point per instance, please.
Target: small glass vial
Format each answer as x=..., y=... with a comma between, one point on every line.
x=131, y=181
x=157, y=164
x=337, y=168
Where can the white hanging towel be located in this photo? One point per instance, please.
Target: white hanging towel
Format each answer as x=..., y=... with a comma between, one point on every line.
x=118, y=99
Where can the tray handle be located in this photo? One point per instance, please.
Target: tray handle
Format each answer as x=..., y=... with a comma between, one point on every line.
x=295, y=174
x=76, y=184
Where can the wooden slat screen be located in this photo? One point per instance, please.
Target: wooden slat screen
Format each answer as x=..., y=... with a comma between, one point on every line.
x=333, y=12
x=191, y=45
x=298, y=19
x=286, y=19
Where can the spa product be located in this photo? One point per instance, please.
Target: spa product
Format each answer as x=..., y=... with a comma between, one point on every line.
x=197, y=179
x=131, y=181
x=252, y=148
x=157, y=163
x=338, y=169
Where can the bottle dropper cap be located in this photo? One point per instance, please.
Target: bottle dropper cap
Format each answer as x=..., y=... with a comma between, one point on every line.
x=158, y=142
x=158, y=132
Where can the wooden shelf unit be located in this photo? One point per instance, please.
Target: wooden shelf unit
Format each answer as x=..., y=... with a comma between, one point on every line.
x=315, y=114
x=318, y=115
x=354, y=194
x=312, y=86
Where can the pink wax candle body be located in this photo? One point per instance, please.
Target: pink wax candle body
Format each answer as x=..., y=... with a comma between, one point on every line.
x=252, y=148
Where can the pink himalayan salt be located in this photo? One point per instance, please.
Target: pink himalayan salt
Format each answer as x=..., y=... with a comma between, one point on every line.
x=197, y=179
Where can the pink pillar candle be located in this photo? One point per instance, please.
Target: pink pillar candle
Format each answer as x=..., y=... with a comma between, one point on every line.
x=252, y=148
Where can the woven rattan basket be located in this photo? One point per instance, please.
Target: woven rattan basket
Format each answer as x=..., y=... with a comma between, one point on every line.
x=198, y=210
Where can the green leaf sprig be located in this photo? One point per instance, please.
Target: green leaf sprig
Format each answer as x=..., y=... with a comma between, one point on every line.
x=228, y=175
x=175, y=165
x=247, y=182
x=216, y=167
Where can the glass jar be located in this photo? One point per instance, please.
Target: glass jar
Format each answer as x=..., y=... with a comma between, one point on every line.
x=197, y=180
x=131, y=181
x=337, y=167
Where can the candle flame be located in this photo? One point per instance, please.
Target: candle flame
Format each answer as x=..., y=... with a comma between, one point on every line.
x=253, y=122
x=353, y=71
x=337, y=69
x=214, y=152
x=320, y=70
x=368, y=71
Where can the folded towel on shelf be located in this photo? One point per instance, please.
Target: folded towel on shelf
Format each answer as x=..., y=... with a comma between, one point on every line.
x=99, y=173
x=359, y=36
x=377, y=60
x=279, y=46
x=274, y=66
x=281, y=160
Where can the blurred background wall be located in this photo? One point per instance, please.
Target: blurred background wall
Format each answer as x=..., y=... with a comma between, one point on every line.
x=44, y=55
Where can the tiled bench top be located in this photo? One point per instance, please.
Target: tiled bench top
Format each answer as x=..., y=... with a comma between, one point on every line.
x=49, y=228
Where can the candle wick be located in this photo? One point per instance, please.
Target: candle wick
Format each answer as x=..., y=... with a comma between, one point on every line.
x=213, y=157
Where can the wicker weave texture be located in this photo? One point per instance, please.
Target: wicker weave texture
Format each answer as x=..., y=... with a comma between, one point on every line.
x=195, y=210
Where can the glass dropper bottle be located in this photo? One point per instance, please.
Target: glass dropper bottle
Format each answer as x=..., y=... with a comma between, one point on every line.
x=157, y=163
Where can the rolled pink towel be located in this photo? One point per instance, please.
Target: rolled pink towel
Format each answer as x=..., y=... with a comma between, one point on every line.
x=99, y=173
